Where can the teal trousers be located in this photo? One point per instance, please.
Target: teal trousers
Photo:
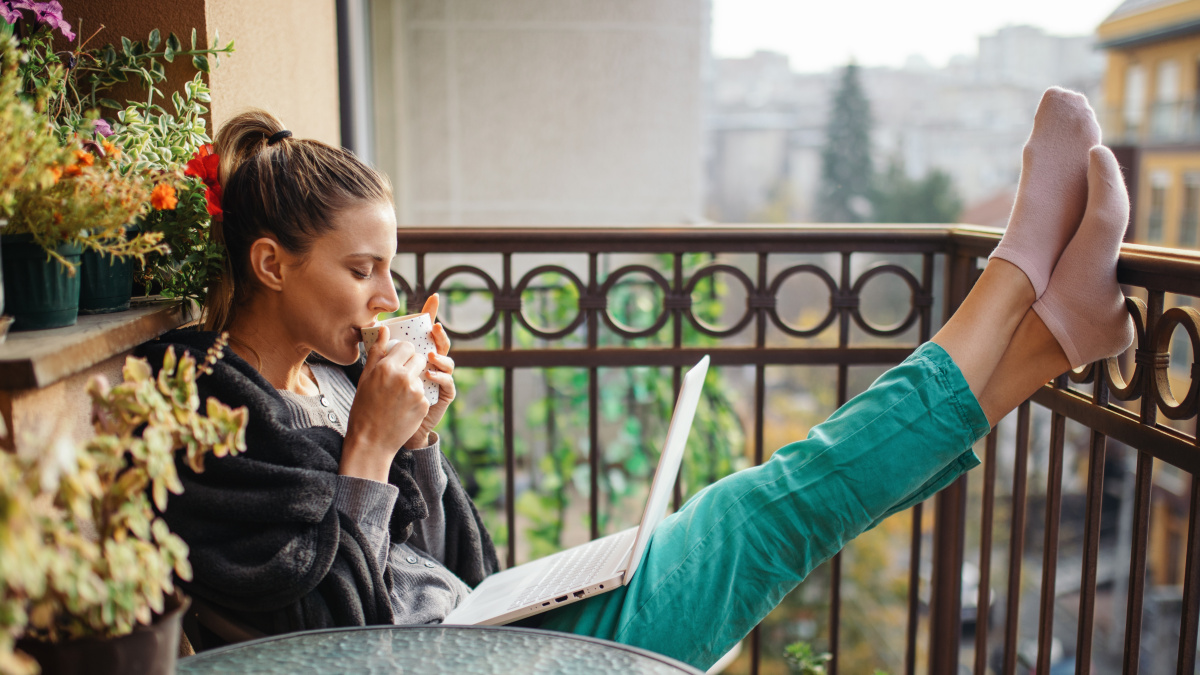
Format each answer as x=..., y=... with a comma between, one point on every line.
x=716, y=567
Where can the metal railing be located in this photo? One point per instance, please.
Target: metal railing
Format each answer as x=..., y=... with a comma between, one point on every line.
x=939, y=266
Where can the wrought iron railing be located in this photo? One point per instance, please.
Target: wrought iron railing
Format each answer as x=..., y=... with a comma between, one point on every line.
x=933, y=266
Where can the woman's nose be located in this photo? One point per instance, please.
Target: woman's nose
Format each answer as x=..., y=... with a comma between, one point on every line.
x=387, y=300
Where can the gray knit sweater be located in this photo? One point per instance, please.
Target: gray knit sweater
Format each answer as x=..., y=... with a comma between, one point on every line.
x=423, y=590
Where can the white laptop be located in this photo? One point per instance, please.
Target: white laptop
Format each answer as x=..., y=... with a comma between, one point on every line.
x=595, y=567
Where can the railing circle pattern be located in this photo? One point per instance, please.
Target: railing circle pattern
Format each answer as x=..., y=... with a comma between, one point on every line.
x=917, y=300
x=773, y=293
x=675, y=299
x=523, y=285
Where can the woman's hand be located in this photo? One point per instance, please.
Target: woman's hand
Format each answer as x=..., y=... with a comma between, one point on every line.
x=389, y=407
x=440, y=372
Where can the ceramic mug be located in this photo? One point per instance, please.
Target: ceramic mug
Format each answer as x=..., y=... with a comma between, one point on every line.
x=414, y=328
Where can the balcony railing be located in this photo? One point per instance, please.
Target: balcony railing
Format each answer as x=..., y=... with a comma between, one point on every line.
x=1168, y=122
x=1001, y=518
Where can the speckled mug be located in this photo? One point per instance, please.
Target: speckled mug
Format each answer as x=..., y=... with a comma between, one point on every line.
x=414, y=328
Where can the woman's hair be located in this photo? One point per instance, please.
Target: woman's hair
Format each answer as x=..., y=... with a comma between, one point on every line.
x=290, y=190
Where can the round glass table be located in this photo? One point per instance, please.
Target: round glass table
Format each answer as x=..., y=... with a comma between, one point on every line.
x=468, y=650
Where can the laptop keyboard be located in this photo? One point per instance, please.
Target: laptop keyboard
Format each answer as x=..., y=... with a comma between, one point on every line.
x=573, y=569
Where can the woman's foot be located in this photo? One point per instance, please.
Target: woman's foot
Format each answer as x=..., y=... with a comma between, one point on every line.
x=1052, y=192
x=1083, y=306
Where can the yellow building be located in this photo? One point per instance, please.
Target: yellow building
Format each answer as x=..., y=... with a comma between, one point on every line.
x=1151, y=115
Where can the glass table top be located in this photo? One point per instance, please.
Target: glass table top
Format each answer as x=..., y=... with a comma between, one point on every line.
x=379, y=650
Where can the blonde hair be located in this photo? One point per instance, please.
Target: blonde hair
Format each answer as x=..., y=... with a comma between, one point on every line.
x=290, y=189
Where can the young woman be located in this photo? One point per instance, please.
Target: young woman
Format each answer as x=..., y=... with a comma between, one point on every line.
x=343, y=510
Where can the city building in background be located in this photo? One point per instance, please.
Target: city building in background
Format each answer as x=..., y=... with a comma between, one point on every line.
x=1151, y=117
x=969, y=119
x=1152, y=122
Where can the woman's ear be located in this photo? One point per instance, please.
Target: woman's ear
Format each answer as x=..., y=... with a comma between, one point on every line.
x=267, y=260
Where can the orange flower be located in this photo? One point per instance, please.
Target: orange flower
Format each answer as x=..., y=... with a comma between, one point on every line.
x=72, y=170
x=84, y=158
x=110, y=150
x=163, y=197
x=56, y=172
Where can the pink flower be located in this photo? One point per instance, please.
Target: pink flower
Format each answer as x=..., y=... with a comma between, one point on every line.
x=46, y=13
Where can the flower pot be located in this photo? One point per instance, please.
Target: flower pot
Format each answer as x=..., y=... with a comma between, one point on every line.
x=39, y=291
x=148, y=650
x=106, y=283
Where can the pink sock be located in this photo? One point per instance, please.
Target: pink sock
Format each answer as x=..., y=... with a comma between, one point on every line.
x=1083, y=306
x=1053, y=188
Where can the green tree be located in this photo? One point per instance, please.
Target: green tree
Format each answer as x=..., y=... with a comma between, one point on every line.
x=844, y=193
x=896, y=198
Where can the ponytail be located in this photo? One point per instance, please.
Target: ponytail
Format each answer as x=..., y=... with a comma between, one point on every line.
x=279, y=186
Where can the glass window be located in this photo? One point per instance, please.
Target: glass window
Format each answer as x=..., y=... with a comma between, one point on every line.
x=1159, y=182
x=1189, y=221
x=1135, y=96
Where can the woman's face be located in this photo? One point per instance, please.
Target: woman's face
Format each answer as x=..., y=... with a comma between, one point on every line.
x=343, y=282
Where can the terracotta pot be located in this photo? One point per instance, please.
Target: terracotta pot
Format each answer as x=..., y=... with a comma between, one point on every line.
x=148, y=650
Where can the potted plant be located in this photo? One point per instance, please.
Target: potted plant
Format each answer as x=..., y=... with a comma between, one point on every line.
x=86, y=566
x=155, y=140
x=142, y=140
x=57, y=203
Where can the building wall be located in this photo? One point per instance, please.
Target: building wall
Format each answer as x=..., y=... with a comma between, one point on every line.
x=1162, y=121
x=286, y=62
x=285, y=57
x=541, y=111
x=1175, y=167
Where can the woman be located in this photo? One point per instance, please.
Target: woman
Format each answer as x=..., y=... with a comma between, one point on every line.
x=343, y=511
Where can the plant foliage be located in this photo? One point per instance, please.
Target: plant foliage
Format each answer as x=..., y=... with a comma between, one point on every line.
x=82, y=551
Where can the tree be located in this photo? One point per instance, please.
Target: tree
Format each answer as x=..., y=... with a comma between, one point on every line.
x=896, y=198
x=844, y=192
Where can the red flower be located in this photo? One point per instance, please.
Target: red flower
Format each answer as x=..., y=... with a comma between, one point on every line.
x=204, y=166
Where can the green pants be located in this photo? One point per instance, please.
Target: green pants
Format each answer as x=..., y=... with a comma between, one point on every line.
x=716, y=567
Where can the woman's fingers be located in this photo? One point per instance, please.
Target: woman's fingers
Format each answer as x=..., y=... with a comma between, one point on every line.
x=431, y=307
x=445, y=381
x=441, y=362
x=441, y=341
x=380, y=348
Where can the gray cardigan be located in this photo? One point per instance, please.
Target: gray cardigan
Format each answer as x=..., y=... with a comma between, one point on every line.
x=423, y=590
x=268, y=544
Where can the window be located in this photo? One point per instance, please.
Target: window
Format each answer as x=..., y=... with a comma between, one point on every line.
x=1189, y=222
x=1135, y=97
x=1165, y=114
x=1159, y=182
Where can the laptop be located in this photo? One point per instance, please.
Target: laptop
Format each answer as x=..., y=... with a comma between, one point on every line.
x=598, y=566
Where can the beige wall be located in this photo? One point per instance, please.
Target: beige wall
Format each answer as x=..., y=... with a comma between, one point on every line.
x=285, y=58
x=285, y=61
x=541, y=111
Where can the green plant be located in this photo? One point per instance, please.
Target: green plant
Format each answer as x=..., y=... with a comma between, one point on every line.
x=154, y=139
x=802, y=660
x=154, y=144
x=27, y=151
x=63, y=195
x=82, y=552
x=635, y=404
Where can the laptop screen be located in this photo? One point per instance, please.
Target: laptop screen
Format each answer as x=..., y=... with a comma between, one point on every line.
x=668, y=464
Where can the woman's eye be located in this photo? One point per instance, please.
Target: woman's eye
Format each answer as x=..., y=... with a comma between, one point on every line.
x=361, y=274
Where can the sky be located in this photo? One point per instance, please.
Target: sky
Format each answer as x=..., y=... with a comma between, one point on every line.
x=821, y=34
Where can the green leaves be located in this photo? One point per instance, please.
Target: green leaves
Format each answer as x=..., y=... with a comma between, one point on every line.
x=200, y=61
x=84, y=553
